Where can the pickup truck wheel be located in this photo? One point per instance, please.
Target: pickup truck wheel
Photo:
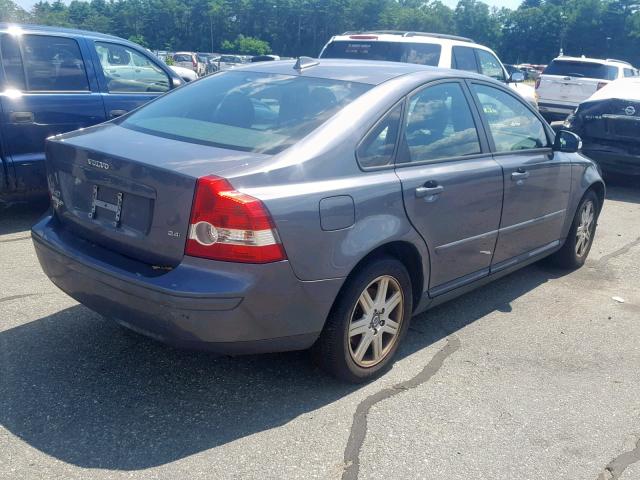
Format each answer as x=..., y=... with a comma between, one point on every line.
x=576, y=247
x=367, y=323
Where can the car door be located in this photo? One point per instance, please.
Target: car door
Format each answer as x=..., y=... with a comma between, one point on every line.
x=536, y=182
x=128, y=77
x=452, y=186
x=50, y=88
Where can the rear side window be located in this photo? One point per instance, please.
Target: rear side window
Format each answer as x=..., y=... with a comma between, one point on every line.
x=581, y=70
x=12, y=62
x=53, y=64
x=464, y=58
x=421, y=53
x=511, y=124
x=490, y=66
x=376, y=150
x=128, y=71
x=439, y=124
x=246, y=111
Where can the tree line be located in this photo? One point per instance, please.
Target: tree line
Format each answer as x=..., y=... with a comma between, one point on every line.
x=534, y=32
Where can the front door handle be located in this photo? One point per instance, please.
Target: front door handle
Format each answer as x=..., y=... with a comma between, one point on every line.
x=116, y=113
x=430, y=191
x=21, y=117
x=519, y=175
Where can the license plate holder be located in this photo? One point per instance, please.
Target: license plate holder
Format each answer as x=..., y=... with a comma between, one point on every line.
x=116, y=208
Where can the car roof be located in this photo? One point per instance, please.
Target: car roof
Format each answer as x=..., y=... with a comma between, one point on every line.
x=373, y=72
x=28, y=28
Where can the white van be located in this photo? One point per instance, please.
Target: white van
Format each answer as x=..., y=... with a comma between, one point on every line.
x=568, y=81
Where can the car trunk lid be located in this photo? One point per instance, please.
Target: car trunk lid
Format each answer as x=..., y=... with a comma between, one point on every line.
x=131, y=192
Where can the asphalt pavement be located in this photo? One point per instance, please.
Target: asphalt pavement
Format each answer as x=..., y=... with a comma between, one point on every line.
x=535, y=376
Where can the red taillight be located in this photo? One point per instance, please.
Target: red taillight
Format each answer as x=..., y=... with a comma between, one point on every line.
x=601, y=85
x=364, y=37
x=537, y=82
x=231, y=226
x=193, y=61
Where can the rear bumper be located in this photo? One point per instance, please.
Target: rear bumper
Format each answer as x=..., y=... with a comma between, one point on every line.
x=217, y=306
x=613, y=159
x=555, y=111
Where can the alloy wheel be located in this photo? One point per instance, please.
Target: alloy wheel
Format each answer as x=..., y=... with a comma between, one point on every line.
x=376, y=321
x=585, y=228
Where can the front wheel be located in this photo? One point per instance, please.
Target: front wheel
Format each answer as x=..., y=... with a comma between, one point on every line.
x=576, y=247
x=367, y=323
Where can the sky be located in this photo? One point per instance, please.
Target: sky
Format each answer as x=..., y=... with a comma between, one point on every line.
x=27, y=4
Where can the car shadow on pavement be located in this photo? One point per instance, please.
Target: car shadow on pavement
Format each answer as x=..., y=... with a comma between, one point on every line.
x=20, y=217
x=623, y=189
x=87, y=392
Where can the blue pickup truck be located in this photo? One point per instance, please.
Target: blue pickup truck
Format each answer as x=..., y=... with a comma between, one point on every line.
x=54, y=80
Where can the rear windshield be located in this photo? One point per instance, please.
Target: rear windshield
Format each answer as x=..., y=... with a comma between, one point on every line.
x=247, y=111
x=422, y=53
x=581, y=69
x=182, y=58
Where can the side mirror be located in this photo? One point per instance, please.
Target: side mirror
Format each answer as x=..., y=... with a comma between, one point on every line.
x=176, y=82
x=516, y=77
x=567, y=142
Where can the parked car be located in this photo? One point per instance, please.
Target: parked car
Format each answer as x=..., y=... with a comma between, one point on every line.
x=609, y=124
x=264, y=58
x=327, y=217
x=226, y=62
x=56, y=80
x=568, y=81
x=210, y=66
x=185, y=74
x=191, y=61
x=437, y=50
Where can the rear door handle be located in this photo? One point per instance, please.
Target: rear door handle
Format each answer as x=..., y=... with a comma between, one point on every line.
x=21, y=117
x=116, y=113
x=430, y=191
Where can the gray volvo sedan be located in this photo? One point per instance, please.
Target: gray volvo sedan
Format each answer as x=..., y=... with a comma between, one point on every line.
x=311, y=204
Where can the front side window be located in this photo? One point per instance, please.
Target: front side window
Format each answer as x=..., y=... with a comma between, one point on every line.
x=490, y=66
x=12, y=62
x=128, y=71
x=630, y=72
x=247, y=111
x=53, y=64
x=376, y=150
x=464, y=58
x=439, y=124
x=511, y=124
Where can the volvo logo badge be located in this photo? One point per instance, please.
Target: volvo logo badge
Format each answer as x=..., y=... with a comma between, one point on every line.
x=630, y=111
x=98, y=164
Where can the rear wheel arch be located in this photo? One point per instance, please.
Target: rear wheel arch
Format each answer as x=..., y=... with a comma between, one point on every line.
x=407, y=254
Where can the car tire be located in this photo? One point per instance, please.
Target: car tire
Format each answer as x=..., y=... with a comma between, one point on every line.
x=578, y=243
x=367, y=322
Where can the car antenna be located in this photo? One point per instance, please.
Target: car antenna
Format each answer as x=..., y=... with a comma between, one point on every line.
x=305, y=62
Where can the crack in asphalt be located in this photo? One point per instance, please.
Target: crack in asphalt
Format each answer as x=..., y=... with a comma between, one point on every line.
x=359, y=425
x=618, y=465
x=17, y=239
x=620, y=251
x=16, y=297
